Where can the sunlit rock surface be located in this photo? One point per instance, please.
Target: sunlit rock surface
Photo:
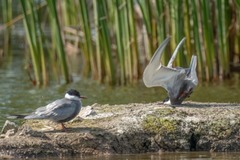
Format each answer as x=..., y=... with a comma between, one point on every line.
x=131, y=128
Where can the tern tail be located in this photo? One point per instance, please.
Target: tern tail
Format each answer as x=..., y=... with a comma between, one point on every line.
x=17, y=116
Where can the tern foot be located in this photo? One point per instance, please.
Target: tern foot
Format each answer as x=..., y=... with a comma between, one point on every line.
x=63, y=128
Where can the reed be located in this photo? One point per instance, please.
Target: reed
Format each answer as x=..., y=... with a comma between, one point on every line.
x=57, y=37
x=197, y=37
x=134, y=55
x=103, y=43
x=146, y=8
x=161, y=19
x=88, y=50
x=223, y=48
x=7, y=17
x=126, y=37
x=119, y=37
x=32, y=28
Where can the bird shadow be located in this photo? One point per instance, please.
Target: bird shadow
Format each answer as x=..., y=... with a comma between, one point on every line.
x=72, y=130
x=206, y=104
x=190, y=104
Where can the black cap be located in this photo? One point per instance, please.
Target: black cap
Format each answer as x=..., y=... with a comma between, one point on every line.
x=73, y=92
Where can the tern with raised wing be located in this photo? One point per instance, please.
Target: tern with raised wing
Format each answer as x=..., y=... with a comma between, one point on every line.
x=178, y=82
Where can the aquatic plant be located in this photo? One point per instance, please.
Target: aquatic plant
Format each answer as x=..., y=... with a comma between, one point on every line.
x=7, y=16
x=117, y=38
x=57, y=38
x=35, y=40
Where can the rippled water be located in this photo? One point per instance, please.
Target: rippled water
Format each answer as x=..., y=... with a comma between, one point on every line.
x=165, y=156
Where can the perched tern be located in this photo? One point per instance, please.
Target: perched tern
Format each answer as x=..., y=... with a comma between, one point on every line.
x=60, y=111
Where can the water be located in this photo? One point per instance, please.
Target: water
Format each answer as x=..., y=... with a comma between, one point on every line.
x=164, y=156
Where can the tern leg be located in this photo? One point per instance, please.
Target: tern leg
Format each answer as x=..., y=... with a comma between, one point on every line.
x=63, y=127
x=175, y=53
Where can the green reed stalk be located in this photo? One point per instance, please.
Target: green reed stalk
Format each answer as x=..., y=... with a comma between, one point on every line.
x=187, y=29
x=87, y=46
x=196, y=37
x=98, y=44
x=119, y=34
x=161, y=9
x=124, y=38
x=69, y=12
x=104, y=56
x=172, y=26
x=7, y=17
x=41, y=42
x=177, y=28
x=208, y=39
x=133, y=41
x=31, y=31
x=222, y=41
x=160, y=20
x=58, y=38
x=238, y=33
x=147, y=17
x=126, y=42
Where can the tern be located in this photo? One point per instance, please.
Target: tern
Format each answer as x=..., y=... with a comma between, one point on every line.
x=178, y=82
x=60, y=111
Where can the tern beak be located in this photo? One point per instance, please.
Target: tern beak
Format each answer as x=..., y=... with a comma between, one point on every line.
x=83, y=97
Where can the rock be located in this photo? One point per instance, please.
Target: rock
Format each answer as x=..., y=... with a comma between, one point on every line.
x=86, y=112
x=10, y=133
x=132, y=128
x=8, y=125
x=6, y=157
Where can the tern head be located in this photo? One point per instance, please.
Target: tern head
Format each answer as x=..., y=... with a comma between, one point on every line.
x=73, y=94
x=180, y=92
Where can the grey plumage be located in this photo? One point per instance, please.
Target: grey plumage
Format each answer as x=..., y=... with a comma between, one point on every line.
x=179, y=82
x=61, y=110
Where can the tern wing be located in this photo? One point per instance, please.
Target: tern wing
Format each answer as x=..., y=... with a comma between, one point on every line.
x=191, y=74
x=64, y=110
x=175, y=53
x=155, y=60
x=155, y=74
x=57, y=110
x=163, y=76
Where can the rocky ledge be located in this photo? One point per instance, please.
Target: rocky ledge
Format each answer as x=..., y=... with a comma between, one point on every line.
x=130, y=128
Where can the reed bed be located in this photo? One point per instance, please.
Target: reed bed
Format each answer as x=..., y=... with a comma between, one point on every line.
x=34, y=37
x=118, y=37
x=7, y=16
